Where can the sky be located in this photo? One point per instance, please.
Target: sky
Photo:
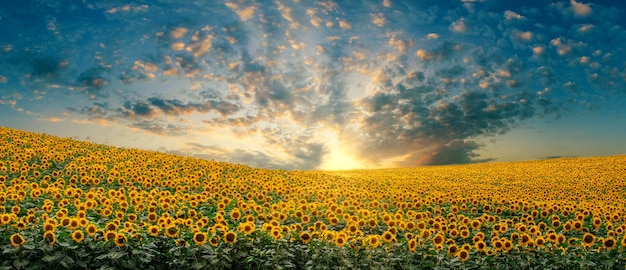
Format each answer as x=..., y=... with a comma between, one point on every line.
x=297, y=84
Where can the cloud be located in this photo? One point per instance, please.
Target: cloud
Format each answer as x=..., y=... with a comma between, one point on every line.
x=92, y=80
x=244, y=13
x=432, y=36
x=459, y=26
x=304, y=159
x=47, y=67
x=512, y=15
x=378, y=19
x=128, y=8
x=580, y=9
x=159, y=128
x=345, y=25
x=153, y=107
x=250, y=158
x=455, y=152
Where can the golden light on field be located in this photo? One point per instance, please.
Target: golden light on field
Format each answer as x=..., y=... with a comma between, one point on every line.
x=65, y=193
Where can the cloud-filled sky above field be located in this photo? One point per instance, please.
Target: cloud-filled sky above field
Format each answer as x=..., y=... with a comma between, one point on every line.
x=297, y=84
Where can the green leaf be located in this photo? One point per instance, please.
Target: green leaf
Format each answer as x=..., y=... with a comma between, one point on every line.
x=102, y=257
x=52, y=258
x=81, y=263
x=608, y=262
x=114, y=255
x=67, y=262
x=20, y=263
x=198, y=265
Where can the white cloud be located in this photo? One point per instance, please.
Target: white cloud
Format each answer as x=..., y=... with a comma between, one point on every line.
x=345, y=25
x=179, y=32
x=525, y=36
x=432, y=36
x=424, y=55
x=512, y=15
x=459, y=26
x=379, y=19
x=580, y=9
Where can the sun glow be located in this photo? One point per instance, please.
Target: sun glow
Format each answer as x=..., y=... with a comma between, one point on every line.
x=338, y=157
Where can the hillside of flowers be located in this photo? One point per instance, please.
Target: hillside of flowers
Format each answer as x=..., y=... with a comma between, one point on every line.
x=68, y=204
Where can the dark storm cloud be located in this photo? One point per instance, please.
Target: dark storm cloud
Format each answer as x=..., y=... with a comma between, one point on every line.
x=160, y=128
x=47, y=67
x=242, y=156
x=438, y=123
x=140, y=108
x=92, y=80
x=251, y=157
x=305, y=150
x=174, y=107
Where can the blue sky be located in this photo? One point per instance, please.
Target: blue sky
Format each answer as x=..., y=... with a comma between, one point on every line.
x=321, y=84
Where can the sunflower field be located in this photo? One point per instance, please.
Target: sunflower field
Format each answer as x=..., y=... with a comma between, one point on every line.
x=71, y=204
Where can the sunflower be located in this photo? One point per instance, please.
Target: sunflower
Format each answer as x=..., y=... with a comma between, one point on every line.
x=514, y=237
x=525, y=239
x=438, y=239
x=248, y=228
x=74, y=224
x=373, y=240
x=235, y=214
x=91, y=230
x=152, y=217
x=171, y=231
x=388, y=236
x=597, y=222
x=17, y=240
x=588, y=239
x=573, y=241
x=475, y=224
x=333, y=221
x=154, y=230
x=578, y=225
x=340, y=240
x=609, y=243
x=111, y=226
x=181, y=243
x=463, y=254
x=120, y=240
x=200, y=238
x=49, y=227
x=412, y=245
x=230, y=237
x=110, y=235
x=5, y=219
x=480, y=245
x=539, y=241
x=498, y=245
x=214, y=241
x=78, y=236
x=50, y=237
x=353, y=228
x=305, y=237
x=276, y=233
x=453, y=249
